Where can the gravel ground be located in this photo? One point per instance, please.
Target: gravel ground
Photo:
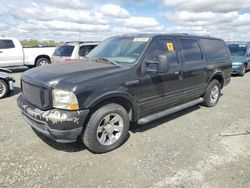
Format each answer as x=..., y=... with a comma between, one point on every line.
x=197, y=147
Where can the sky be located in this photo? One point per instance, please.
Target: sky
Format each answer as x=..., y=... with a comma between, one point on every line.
x=66, y=20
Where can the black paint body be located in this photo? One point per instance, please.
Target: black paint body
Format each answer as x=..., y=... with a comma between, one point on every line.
x=147, y=92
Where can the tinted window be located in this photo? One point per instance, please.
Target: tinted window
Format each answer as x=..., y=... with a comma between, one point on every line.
x=191, y=50
x=160, y=47
x=6, y=44
x=237, y=49
x=215, y=49
x=84, y=50
x=64, y=50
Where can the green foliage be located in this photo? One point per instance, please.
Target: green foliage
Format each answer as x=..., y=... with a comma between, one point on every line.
x=35, y=43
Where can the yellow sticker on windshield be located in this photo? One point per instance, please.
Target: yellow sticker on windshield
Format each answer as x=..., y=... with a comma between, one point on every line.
x=170, y=46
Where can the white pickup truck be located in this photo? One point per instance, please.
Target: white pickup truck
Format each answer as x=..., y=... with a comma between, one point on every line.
x=13, y=54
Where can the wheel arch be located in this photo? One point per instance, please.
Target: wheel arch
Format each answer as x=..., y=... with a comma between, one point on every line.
x=121, y=98
x=217, y=76
x=42, y=56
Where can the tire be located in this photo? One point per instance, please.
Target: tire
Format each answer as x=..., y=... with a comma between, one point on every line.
x=42, y=61
x=4, y=89
x=100, y=128
x=243, y=70
x=212, y=94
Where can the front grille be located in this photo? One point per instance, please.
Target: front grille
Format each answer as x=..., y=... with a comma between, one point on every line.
x=38, y=96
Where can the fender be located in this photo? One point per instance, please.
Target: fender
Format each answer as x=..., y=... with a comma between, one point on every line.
x=107, y=93
x=215, y=73
x=5, y=70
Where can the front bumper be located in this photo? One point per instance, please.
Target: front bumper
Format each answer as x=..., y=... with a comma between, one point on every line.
x=59, y=125
x=236, y=69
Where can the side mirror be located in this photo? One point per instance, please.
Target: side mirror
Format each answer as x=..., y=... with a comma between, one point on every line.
x=159, y=65
x=248, y=55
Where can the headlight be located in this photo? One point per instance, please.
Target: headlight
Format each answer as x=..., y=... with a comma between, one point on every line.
x=237, y=63
x=64, y=100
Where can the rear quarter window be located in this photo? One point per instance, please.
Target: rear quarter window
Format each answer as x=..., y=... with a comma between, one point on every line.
x=215, y=50
x=191, y=50
x=6, y=44
x=84, y=50
x=64, y=50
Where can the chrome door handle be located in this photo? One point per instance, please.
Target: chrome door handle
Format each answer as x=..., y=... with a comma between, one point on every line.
x=176, y=73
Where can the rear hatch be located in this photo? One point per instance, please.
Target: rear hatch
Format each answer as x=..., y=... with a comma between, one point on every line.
x=63, y=53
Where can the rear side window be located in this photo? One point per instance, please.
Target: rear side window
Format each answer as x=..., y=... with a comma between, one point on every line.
x=84, y=50
x=64, y=50
x=191, y=50
x=6, y=44
x=215, y=49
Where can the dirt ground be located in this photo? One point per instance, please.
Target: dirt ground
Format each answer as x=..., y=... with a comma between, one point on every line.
x=197, y=147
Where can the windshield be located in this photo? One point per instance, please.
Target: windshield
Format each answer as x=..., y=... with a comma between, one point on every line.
x=122, y=50
x=237, y=49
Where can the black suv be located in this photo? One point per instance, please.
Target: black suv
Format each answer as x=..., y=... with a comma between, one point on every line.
x=130, y=78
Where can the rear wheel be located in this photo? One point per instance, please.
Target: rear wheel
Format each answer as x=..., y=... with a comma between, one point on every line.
x=4, y=89
x=42, y=61
x=107, y=128
x=212, y=94
x=243, y=70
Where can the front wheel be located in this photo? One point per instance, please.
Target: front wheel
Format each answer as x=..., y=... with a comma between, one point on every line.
x=106, y=129
x=243, y=70
x=4, y=89
x=212, y=94
x=42, y=61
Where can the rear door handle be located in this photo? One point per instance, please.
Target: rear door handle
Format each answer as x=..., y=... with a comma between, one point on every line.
x=1, y=51
x=177, y=72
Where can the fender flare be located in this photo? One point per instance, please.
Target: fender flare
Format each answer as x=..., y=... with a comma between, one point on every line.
x=217, y=73
x=97, y=98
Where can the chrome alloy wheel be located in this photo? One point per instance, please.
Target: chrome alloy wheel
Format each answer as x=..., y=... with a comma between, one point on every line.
x=110, y=129
x=214, y=95
x=43, y=62
x=3, y=89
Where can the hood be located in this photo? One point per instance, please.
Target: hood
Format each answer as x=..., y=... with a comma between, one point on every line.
x=238, y=58
x=67, y=75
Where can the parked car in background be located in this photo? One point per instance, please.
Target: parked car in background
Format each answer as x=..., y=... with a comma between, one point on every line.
x=71, y=51
x=13, y=54
x=240, y=52
x=6, y=82
x=130, y=78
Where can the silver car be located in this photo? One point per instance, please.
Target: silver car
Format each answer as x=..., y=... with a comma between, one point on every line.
x=71, y=51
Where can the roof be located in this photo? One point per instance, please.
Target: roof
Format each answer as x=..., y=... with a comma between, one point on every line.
x=238, y=42
x=82, y=42
x=151, y=35
x=7, y=38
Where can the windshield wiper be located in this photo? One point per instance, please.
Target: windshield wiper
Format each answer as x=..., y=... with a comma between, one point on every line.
x=104, y=59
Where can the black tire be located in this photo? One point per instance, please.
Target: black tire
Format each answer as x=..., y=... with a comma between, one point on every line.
x=42, y=61
x=90, y=135
x=243, y=70
x=4, y=88
x=209, y=100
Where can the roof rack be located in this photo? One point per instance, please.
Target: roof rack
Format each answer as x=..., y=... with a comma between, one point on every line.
x=234, y=42
x=180, y=33
x=81, y=42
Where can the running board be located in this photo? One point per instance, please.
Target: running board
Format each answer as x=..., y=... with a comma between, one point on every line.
x=169, y=111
